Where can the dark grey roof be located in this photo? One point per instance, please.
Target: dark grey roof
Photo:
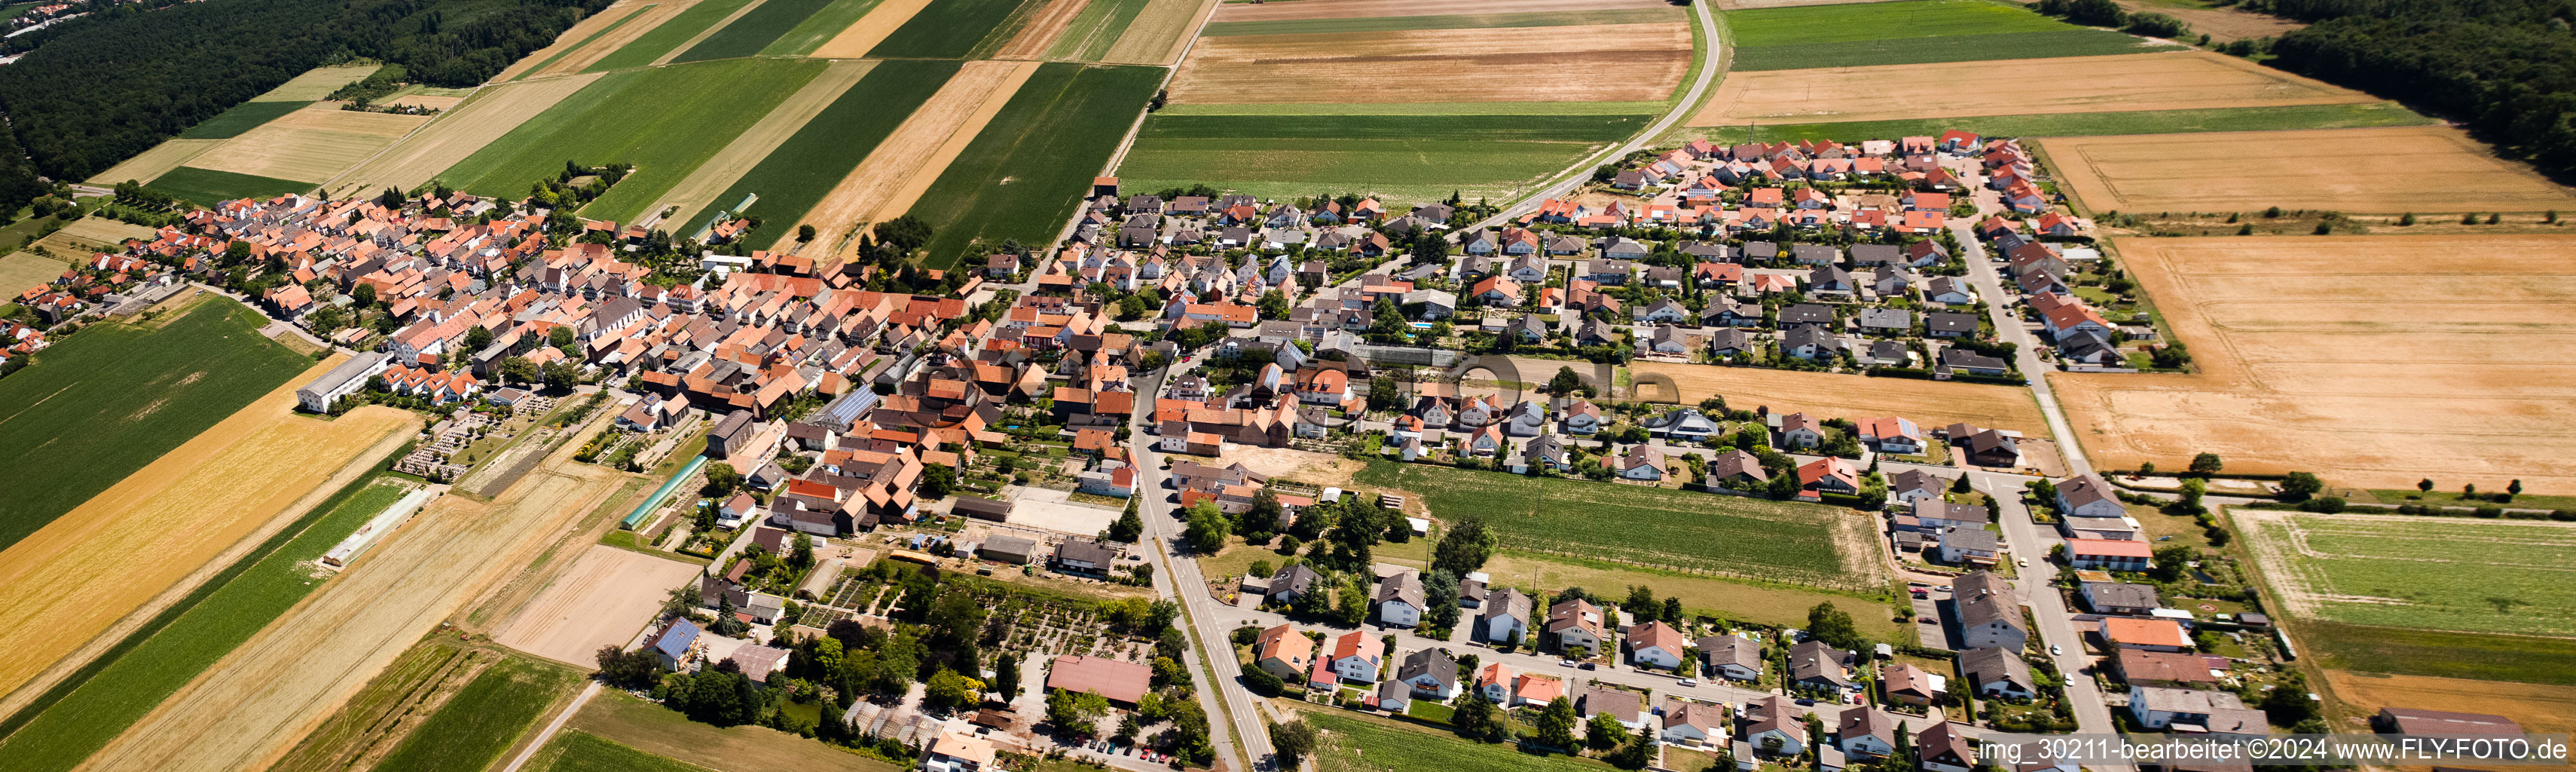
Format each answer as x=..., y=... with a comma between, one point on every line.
x=1435, y=663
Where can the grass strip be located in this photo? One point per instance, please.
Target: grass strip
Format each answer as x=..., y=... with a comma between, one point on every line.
x=2091, y=124
x=578, y=751
x=1451, y=21
x=208, y=187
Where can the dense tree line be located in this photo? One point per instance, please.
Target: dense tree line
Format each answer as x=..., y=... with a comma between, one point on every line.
x=99, y=90
x=2505, y=67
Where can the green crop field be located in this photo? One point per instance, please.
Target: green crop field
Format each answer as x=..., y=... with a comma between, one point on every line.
x=1093, y=31
x=77, y=718
x=1928, y=50
x=1681, y=530
x=243, y=117
x=2090, y=124
x=1023, y=175
x=1873, y=21
x=819, y=28
x=578, y=751
x=664, y=120
x=796, y=176
x=1414, y=108
x=1406, y=158
x=1456, y=21
x=105, y=402
x=952, y=29
x=754, y=31
x=207, y=187
x=612, y=27
x=483, y=719
x=663, y=39
x=1352, y=742
x=2428, y=573
x=2440, y=654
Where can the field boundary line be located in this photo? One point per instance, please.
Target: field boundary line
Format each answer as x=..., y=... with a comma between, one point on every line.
x=703, y=34
x=539, y=742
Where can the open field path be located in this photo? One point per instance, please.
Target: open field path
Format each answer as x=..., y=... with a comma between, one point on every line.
x=692, y=195
x=248, y=710
x=904, y=165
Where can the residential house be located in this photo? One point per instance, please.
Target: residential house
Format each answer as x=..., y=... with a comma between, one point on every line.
x=1695, y=724
x=1505, y=616
x=1357, y=656
x=1866, y=732
x=1431, y=672
x=1818, y=667
x=2120, y=598
x=1732, y=656
x=2088, y=495
x=1284, y=652
x=1642, y=462
x=1906, y=684
x=1774, y=729
x=1828, y=475
x=1655, y=644
x=2109, y=554
x=1575, y=623
x=1944, y=748
x=1993, y=672
x=1989, y=612
x=1399, y=600
x=1970, y=546
x=2150, y=634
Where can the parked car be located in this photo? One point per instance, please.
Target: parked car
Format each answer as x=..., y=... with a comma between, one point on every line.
x=2053, y=650
x=1687, y=683
x=1565, y=663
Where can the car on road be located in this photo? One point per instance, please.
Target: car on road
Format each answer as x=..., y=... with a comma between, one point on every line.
x=1565, y=663
x=1922, y=594
x=1591, y=666
x=1687, y=683
x=1805, y=701
x=1930, y=621
x=2055, y=651
x=2025, y=562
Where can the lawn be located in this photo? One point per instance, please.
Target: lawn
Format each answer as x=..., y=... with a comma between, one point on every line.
x=1351, y=742
x=1025, y=173
x=98, y=702
x=1699, y=532
x=243, y=117
x=1455, y=21
x=73, y=423
x=797, y=175
x=574, y=751
x=2426, y=573
x=1926, y=50
x=2441, y=654
x=951, y=29
x=1406, y=158
x=754, y=31
x=1095, y=30
x=673, y=31
x=208, y=187
x=2091, y=124
x=664, y=120
x=819, y=28
x=483, y=719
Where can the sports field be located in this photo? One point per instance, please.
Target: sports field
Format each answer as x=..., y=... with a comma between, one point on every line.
x=206, y=187
x=1030, y=166
x=315, y=143
x=664, y=40
x=72, y=424
x=2342, y=116
x=1654, y=527
x=664, y=120
x=2353, y=357
x=1830, y=395
x=457, y=134
x=2424, y=572
x=2348, y=170
x=483, y=719
x=227, y=612
x=1914, y=32
x=1404, y=158
x=801, y=170
x=2136, y=82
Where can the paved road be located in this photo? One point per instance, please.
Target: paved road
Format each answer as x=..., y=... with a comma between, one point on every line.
x=1177, y=577
x=1990, y=285
x=2056, y=621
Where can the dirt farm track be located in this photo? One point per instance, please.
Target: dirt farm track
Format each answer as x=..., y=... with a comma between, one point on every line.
x=250, y=708
x=2373, y=361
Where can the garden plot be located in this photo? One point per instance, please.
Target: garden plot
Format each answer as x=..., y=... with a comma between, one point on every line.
x=2345, y=170
x=2420, y=572
x=2080, y=84
x=2374, y=361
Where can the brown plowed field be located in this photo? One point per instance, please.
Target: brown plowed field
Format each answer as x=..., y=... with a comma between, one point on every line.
x=2182, y=80
x=2346, y=170
x=315, y=143
x=237, y=482
x=2539, y=708
x=251, y=707
x=1354, y=9
x=2373, y=361
x=2221, y=24
x=1929, y=404
x=604, y=599
x=870, y=30
x=900, y=168
x=1598, y=63
x=455, y=134
x=719, y=172
x=1032, y=41
x=1162, y=31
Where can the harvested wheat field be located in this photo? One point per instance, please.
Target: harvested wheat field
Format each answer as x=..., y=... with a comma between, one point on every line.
x=2345, y=170
x=1032, y=41
x=748, y=148
x=451, y=136
x=2539, y=708
x=253, y=706
x=870, y=30
x=317, y=83
x=2181, y=80
x=1928, y=404
x=223, y=490
x=155, y=162
x=1355, y=9
x=604, y=599
x=95, y=233
x=315, y=143
x=2373, y=361
x=903, y=166
x=1589, y=63
x=591, y=38
x=1162, y=31
x=2222, y=24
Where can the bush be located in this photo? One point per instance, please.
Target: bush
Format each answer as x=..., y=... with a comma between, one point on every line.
x=2490, y=512
x=2155, y=25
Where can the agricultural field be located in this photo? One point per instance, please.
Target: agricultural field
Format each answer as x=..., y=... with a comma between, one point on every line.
x=1829, y=395
x=1767, y=604
x=315, y=143
x=453, y=136
x=603, y=599
x=206, y=187
x=792, y=114
x=664, y=120
x=1698, y=532
x=82, y=714
x=1159, y=32
x=1047, y=20
x=799, y=172
x=250, y=710
x=91, y=234
x=1406, y=158
x=22, y=270
x=1348, y=741
x=586, y=41
x=956, y=29
x=647, y=727
x=2400, y=571
x=1601, y=62
x=1089, y=35
x=69, y=424
x=754, y=31
x=2083, y=84
x=2302, y=365
x=2538, y=708
x=159, y=160
x=2222, y=23
x=1914, y=32
x=2439, y=654
x=665, y=40
x=819, y=28
x=893, y=175
x=1451, y=21
x=483, y=719
x=243, y=117
x=872, y=28
x=2351, y=170
x=575, y=751
x=1026, y=171
x=374, y=719
x=317, y=83
x=2343, y=116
